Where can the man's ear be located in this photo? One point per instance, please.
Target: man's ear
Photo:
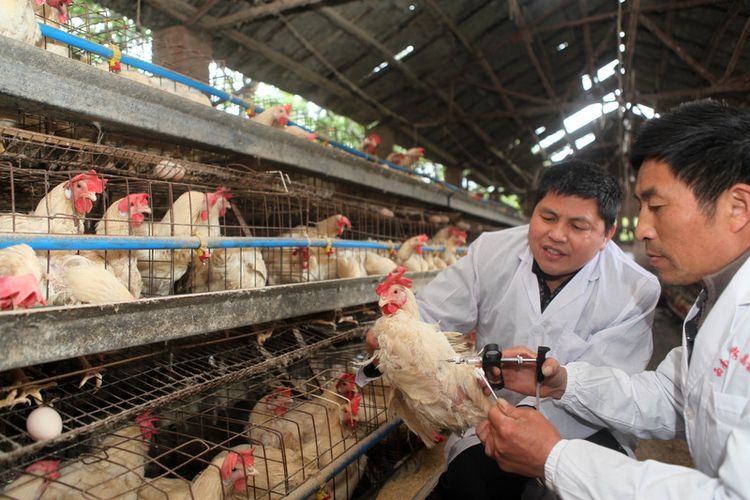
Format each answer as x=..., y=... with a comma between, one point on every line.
x=608, y=235
x=739, y=207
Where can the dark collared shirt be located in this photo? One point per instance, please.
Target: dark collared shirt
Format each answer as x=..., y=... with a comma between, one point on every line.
x=545, y=294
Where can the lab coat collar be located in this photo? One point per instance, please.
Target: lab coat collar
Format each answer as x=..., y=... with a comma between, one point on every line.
x=573, y=290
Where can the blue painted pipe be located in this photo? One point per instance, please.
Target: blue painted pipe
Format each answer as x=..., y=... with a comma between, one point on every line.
x=106, y=52
x=95, y=242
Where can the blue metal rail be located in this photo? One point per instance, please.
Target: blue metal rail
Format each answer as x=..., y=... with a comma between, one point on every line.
x=96, y=242
x=107, y=53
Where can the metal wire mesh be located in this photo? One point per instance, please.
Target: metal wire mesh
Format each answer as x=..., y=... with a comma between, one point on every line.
x=190, y=199
x=210, y=396
x=141, y=378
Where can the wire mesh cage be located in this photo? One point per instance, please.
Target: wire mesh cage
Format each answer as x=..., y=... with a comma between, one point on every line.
x=165, y=418
x=182, y=213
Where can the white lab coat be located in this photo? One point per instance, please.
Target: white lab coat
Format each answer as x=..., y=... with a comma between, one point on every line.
x=603, y=315
x=709, y=402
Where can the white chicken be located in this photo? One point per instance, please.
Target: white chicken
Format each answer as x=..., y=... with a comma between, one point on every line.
x=302, y=264
x=121, y=218
x=21, y=273
x=61, y=211
x=230, y=268
x=161, y=268
x=228, y=472
x=274, y=116
x=18, y=21
x=34, y=481
x=115, y=470
x=410, y=254
x=429, y=393
x=407, y=159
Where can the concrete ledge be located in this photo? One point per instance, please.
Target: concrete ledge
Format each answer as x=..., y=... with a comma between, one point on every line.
x=67, y=332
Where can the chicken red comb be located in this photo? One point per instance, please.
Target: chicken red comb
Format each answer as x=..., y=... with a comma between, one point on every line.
x=345, y=378
x=419, y=151
x=395, y=278
x=356, y=401
x=19, y=291
x=146, y=421
x=139, y=199
x=282, y=391
x=458, y=233
x=374, y=138
x=94, y=183
x=287, y=108
x=230, y=462
x=343, y=223
x=422, y=238
x=47, y=468
x=221, y=192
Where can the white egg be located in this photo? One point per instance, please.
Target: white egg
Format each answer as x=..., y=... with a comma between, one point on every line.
x=44, y=423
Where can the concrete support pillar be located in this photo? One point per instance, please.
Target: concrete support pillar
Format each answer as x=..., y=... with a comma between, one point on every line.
x=182, y=50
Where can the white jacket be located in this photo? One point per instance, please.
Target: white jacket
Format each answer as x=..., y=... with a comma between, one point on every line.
x=709, y=402
x=603, y=315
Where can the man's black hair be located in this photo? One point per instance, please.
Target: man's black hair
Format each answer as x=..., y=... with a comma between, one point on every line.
x=706, y=143
x=584, y=180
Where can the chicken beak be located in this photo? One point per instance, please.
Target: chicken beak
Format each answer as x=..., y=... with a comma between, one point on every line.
x=91, y=196
x=146, y=210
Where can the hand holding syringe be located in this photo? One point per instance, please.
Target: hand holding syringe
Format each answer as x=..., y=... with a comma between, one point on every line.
x=493, y=363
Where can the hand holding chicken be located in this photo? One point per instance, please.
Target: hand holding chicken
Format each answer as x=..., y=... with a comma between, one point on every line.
x=428, y=393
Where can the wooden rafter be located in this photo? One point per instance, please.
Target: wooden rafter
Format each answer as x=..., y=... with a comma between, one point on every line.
x=670, y=42
x=664, y=56
x=738, y=84
x=737, y=51
x=202, y=11
x=539, y=28
x=584, y=8
x=718, y=35
x=495, y=83
x=528, y=42
x=630, y=37
x=263, y=10
x=428, y=88
x=401, y=123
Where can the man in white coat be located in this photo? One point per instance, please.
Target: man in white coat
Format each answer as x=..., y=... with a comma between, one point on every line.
x=694, y=189
x=559, y=281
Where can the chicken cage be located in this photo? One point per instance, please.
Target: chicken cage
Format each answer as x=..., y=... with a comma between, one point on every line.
x=176, y=415
x=173, y=226
x=162, y=419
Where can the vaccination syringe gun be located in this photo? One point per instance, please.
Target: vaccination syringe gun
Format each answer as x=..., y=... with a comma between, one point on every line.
x=491, y=356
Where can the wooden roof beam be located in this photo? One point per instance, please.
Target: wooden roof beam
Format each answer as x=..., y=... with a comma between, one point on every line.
x=263, y=10
x=670, y=42
x=718, y=35
x=496, y=86
x=737, y=51
x=368, y=39
x=202, y=11
x=528, y=42
x=477, y=53
x=584, y=8
x=631, y=33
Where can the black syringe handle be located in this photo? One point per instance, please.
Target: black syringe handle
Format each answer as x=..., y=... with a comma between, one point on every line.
x=541, y=356
x=491, y=356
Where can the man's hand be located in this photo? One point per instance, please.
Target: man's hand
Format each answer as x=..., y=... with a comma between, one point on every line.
x=518, y=439
x=522, y=378
x=371, y=342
